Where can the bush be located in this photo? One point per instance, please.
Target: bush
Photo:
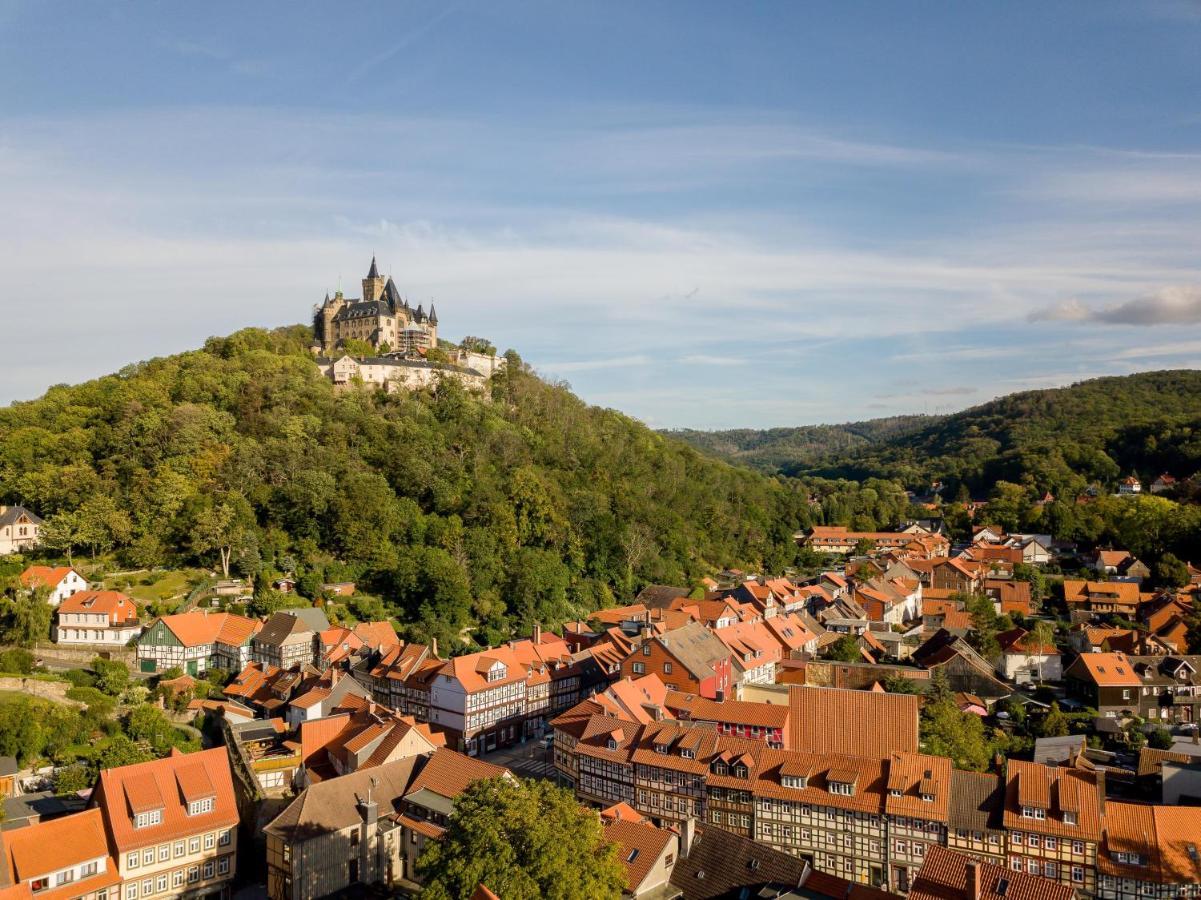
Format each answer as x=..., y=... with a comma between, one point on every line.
x=17, y=662
x=112, y=676
x=80, y=677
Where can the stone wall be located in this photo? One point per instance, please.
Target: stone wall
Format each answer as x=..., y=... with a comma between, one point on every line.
x=35, y=687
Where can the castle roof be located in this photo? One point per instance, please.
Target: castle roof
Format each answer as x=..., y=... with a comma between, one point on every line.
x=373, y=272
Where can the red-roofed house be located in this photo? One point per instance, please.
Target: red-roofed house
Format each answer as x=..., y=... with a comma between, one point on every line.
x=60, y=581
x=97, y=619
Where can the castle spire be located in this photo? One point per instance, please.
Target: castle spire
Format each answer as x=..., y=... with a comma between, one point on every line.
x=433, y=315
x=374, y=271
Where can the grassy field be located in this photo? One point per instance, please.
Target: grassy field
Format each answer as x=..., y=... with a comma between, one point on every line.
x=155, y=587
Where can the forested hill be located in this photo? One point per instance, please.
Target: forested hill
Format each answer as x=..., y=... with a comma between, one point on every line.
x=1057, y=440
x=787, y=449
x=459, y=512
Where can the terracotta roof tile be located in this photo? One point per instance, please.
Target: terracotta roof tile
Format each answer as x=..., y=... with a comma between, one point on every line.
x=871, y=724
x=944, y=876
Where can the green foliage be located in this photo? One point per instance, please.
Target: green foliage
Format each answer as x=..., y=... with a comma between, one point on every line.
x=25, y=618
x=845, y=649
x=1171, y=571
x=1160, y=739
x=355, y=347
x=16, y=661
x=1055, y=723
x=945, y=731
x=72, y=779
x=525, y=840
x=460, y=513
x=899, y=684
x=112, y=676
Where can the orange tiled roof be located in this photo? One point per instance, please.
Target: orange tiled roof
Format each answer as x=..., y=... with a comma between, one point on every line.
x=639, y=848
x=917, y=775
x=195, y=628
x=944, y=875
x=120, y=788
x=875, y=724
x=44, y=576
x=50, y=846
x=448, y=773
x=121, y=610
x=1108, y=669
x=1056, y=790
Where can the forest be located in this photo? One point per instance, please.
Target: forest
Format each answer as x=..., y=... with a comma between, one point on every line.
x=471, y=518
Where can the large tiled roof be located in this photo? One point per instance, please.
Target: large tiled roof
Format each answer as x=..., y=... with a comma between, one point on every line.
x=918, y=775
x=639, y=846
x=45, y=576
x=720, y=863
x=448, y=773
x=869, y=778
x=1107, y=670
x=695, y=647
x=833, y=720
x=195, y=628
x=1055, y=790
x=739, y=712
x=119, y=609
x=977, y=799
x=163, y=781
x=56, y=844
x=944, y=876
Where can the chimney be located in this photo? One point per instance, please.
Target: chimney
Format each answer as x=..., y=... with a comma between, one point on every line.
x=972, y=886
x=687, y=833
x=537, y=633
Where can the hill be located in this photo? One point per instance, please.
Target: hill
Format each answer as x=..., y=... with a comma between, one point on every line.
x=1056, y=440
x=785, y=449
x=462, y=513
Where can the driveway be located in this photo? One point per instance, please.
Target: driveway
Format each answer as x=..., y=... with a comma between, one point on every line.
x=528, y=760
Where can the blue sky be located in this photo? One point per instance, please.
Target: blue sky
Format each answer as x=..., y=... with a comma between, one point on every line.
x=704, y=214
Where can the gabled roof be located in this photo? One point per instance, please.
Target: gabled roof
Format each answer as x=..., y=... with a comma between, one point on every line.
x=49, y=846
x=695, y=647
x=977, y=801
x=944, y=876
x=119, y=609
x=720, y=863
x=126, y=790
x=45, y=576
x=1106, y=670
x=195, y=628
x=639, y=846
x=448, y=773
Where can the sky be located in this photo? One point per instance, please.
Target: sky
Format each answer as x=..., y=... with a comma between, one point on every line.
x=706, y=215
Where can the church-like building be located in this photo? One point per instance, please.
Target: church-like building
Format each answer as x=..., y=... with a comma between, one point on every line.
x=381, y=318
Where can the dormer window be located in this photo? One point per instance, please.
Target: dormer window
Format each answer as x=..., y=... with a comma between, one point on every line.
x=146, y=819
x=1129, y=859
x=927, y=798
x=685, y=753
x=894, y=792
x=842, y=787
x=794, y=781
x=661, y=748
x=1069, y=818
x=740, y=771
x=720, y=768
x=611, y=744
x=1036, y=812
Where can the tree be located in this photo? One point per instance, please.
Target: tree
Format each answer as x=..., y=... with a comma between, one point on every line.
x=1055, y=723
x=62, y=531
x=945, y=731
x=899, y=684
x=1160, y=738
x=72, y=779
x=112, y=676
x=525, y=840
x=221, y=527
x=1041, y=635
x=102, y=524
x=1171, y=571
x=25, y=619
x=845, y=649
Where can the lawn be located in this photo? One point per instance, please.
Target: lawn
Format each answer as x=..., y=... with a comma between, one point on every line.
x=155, y=587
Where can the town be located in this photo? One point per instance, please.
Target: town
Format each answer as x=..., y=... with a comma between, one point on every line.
x=925, y=714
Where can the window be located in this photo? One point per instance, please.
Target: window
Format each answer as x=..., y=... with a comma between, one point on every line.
x=225, y=838
x=162, y=883
x=1069, y=818
x=1033, y=812
x=1050, y=843
x=194, y=845
x=143, y=820
x=1033, y=841
x=639, y=668
x=1050, y=870
x=1077, y=846
x=208, y=869
x=177, y=879
x=1016, y=864
x=193, y=874
x=1078, y=874
x=164, y=853
x=131, y=892
x=147, y=888
x=133, y=860
x=64, y=877
x=646, y=649
x=1016, y=839
x=841, y=787
x=178, y=849
x=89, y=869
x=223, y=865
x=686, y=753
x=1032, y=866
x=198, y=807
x=667, y=668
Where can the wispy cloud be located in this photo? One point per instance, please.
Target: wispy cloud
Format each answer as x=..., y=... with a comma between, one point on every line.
x=1175, y=305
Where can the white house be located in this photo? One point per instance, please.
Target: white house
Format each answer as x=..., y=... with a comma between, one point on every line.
x=97, y=618
x=19, y=529
x=61, y=581
x=1023, y=661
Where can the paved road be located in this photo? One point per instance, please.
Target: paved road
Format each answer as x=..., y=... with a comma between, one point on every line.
x=528, y=760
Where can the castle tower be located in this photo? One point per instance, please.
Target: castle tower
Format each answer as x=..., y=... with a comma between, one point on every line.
x=373, y=285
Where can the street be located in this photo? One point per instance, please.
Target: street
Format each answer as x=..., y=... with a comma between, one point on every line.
x=528, y=760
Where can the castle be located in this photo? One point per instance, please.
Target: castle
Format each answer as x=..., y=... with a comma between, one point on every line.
x=405, y=340
x=381, y=318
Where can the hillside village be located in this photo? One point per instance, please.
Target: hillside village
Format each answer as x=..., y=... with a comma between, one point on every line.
x=923, y=714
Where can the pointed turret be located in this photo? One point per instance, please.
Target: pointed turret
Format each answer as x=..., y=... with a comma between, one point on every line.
x=374, y=271
x=420, y=314
x=433, y=315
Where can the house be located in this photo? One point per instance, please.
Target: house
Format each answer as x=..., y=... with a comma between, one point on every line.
x=838, y=539
x=1088, y=598
x=647, y=854
x=97, y=619
x=365, y=828
x=949, y=873
x=172, y=825
x=716, y=864
x=690, y=659
x=60, y=859
x=1163, y=484
x=1024, y=661
x=1171, y=688
x=19, y=529
x=987, y=534
x=974, y=818
x=286, y=639
x=1037, y=549
x=321, y=696
x=196, y=641
x=754, y=650
x=1062, y=804
x=958, y=576
x=1107, y=682
x=1084, y=638
x=767, y=722
x=60, y=581
x=1149, y=851
x=1130, y=485
x=360, y=735
x=965, y=668
x=1010, y=597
